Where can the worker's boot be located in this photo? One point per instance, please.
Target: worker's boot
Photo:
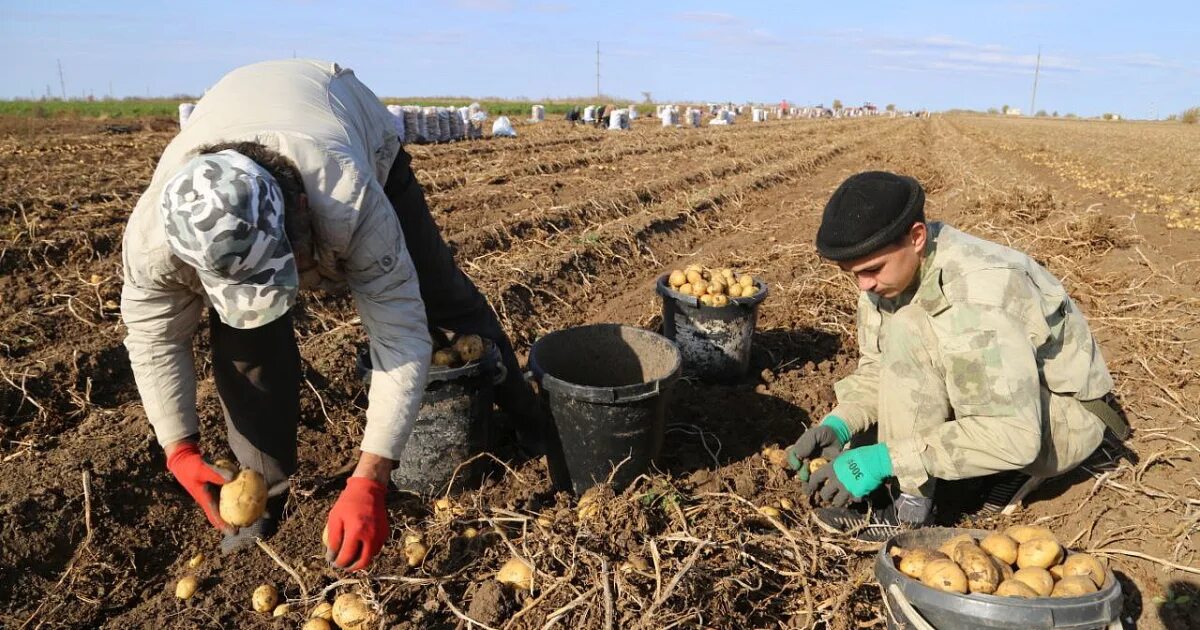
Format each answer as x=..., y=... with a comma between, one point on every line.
x=876, y=526
x=1007, y=491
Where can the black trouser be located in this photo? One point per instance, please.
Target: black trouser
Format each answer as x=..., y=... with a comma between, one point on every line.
x=257, y=371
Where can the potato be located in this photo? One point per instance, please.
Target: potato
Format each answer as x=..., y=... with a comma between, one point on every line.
x=265, y=598
x=1056, y=572
x=1005, y=569
x=768, y=511
x=195, y=561
x=281, y=610
x=706, y=299
x=470, y=533
x=186, y=587
x=686, y=289
x=1039, y=552
x=517, y=574
x=231, y=467
x=786, y=504
x=1000, y=546
x=699, y=287
x=749, y=291
x=446, y=357
x=746, y=280
x=816, y=463
x=735, y=290
x=948, y=546
x=316, y=623
x=244, y=499
x=944, y=575
x=694, y=276
x=325, y=536
x=693, y=267
x=1025, y=533
x=469, y=348
x=776, y=456
x=982, y=574
x=1073, y=586
x=727, y=273
x=1013, y=588
x=350, y=612
x=324, y=610
x=913, y=562
x=720, y=300
x=677, y=278
x=415, y=550
x=1037, y=579
x=1083, y=564
x=717, y=287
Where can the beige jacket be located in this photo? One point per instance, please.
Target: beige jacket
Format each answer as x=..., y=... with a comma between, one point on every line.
x=343, y=141
x=990, y=339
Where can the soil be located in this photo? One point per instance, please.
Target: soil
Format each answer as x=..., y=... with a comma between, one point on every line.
x=564, y=226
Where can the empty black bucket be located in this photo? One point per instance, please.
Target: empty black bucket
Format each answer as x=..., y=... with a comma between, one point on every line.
x=911, y=604
x=715, y=341
x=454, y=423
x=606, y=386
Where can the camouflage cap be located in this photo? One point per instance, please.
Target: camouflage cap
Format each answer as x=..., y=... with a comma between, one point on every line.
x=224, y=217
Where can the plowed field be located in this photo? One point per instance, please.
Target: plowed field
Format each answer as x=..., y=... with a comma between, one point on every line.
x=564, y=226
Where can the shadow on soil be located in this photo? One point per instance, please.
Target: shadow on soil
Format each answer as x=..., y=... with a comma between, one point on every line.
x=1178, y=607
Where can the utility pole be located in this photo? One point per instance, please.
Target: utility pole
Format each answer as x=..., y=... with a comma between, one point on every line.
x=597, y=69
x=61, y=83
x=1036, y=70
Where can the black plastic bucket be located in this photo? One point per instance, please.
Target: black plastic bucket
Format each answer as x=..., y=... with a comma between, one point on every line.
x=911, y=603
x=606, y=386
x=453, y=425
x=715, y=341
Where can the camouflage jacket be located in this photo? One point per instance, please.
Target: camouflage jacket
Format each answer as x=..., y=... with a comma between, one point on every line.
x=344, y=142
x=1002, y=322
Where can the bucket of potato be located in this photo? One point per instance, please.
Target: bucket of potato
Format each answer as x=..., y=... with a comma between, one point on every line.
x=1021, y=577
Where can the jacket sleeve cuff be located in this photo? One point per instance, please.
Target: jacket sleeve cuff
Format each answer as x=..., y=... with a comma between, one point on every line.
x=855, y=418
x=907, y=465
x=176, y=433
x=839, y=427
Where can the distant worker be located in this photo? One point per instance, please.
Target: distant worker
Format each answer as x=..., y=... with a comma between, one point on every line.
x=602, y=113
x=290, y=175
x=973, y=361
x=573, y=115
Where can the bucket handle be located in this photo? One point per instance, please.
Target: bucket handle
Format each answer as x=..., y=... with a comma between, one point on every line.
x=906, y=608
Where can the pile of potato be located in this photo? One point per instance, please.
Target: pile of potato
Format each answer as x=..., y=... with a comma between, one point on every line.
x=1024, y=561
x=714, y=287
x=465, y=349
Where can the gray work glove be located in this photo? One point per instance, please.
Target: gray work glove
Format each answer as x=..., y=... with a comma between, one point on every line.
x=820, y=440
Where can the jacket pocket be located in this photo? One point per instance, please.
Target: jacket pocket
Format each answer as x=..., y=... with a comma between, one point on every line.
x=976, y=382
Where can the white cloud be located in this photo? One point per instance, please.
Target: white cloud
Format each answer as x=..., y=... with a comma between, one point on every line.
x=1144, y=60
x=708, y=17
x=941, y=52
x=484, y=5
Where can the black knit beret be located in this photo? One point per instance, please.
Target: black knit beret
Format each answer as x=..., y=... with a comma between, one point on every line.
x=868, y=212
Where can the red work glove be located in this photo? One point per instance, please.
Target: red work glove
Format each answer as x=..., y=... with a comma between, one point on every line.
x=201, y=480
x=358, y=524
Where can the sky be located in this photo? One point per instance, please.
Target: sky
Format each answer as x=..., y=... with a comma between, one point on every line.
x=1138, y=59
